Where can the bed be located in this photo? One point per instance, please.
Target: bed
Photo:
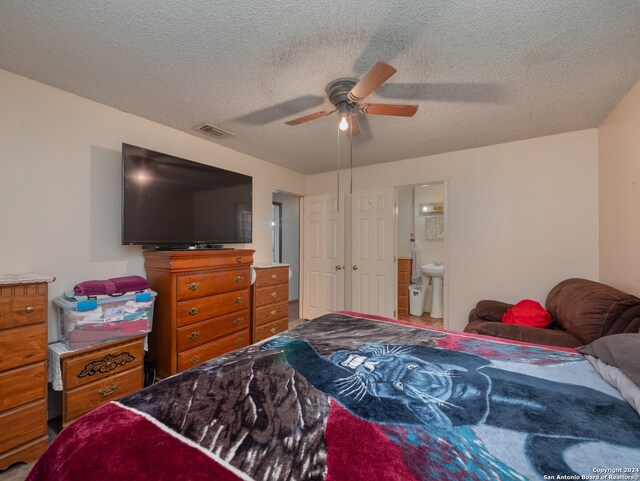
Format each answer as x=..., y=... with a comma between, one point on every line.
x=351, y=397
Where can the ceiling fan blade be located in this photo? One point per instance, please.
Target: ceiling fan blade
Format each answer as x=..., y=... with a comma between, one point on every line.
x=307, y=118
x=379, y=74
x=354, y=127
x=397, y=110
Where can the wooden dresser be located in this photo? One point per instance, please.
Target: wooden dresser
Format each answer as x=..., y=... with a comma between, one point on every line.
x=203, y=306
x=270, y=295
x=98, y=374
x=23, y=372
x=404, y=280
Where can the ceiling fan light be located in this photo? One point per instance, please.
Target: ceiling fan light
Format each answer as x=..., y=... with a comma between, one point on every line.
x=344, y=123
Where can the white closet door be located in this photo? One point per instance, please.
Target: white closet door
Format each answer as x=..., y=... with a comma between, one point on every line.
x=372, y=252
x=323, y=281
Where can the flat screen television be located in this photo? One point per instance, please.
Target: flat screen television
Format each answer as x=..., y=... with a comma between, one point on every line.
x=177, y=203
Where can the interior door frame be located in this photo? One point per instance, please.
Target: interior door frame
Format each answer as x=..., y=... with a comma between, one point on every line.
x=278, y=221
x=448, y=258
x=300, y=239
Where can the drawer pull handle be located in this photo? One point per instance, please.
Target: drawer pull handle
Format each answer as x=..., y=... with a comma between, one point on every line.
x=29, y=309
x=238, y=321
x=238, y=259
x=273, y=330
x=193, y=335
x=194, y=359
x=107, y=391
x=238, y=300
x=193, y=286
x=274, y=294
x=274, y=276
x=193, y=311
x=239, y=341
x=274, y=312
x=238, y=279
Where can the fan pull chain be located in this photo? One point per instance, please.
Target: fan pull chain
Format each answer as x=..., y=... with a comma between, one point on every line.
x=351, y=165
x=338, y=176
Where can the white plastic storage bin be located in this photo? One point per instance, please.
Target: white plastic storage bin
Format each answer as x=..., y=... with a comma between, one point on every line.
x=417, y=294
x=93, y=321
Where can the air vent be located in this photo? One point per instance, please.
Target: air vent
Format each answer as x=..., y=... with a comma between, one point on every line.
x=207, y=128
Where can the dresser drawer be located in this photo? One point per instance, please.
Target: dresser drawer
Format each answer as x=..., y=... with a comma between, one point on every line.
x=22, y=424
x=271, y=295
x=203, y=353
x=204, y=284
x=271, y=329
x=25, y=453
x=22, y=345
x=85, y=398
x=22, y=310
x=272, y=275
x=5, y=312
x=267, y=314
x=202, y=332
x=203, y=308
x=22, y=385
x=85, y=367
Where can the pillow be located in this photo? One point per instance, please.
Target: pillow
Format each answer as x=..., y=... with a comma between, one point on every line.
x=527, y=313
x=614, y=376
x=619, y=350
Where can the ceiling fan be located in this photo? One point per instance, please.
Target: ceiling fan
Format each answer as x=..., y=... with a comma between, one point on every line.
x=347, y=94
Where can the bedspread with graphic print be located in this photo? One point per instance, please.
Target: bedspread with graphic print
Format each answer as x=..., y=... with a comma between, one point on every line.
x=346, y=397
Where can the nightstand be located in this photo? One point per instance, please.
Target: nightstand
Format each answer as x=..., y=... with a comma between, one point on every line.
x=95, y=375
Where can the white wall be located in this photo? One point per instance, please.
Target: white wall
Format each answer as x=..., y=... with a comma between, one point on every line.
x=60, y=184
x=522, y=216
x=619, y=176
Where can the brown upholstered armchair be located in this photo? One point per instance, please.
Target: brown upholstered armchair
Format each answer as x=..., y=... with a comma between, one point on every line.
x=582, y=311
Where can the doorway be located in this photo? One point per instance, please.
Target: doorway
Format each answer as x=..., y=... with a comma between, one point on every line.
x=285, y=235
x=421, y=235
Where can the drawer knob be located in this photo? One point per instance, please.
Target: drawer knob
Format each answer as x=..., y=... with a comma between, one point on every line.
x=193, y=286
x=193, y=335
x=238, y=259
x=239, y=341
x=194, y=359
x=273, y=330
x=29, y=309
x=274, y=276
x=238, y=279
x=107, y=391
x=274, y=294
x=238, y=300
x=193, y=311
x=274, y=312
x=238, y=321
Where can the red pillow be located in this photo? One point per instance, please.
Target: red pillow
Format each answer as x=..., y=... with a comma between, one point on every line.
x=527, y=313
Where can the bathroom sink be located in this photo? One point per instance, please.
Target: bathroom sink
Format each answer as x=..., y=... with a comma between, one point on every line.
x=435, y=269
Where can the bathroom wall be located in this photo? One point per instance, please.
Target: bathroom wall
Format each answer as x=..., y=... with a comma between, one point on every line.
x=431, y=250
x=404, y=225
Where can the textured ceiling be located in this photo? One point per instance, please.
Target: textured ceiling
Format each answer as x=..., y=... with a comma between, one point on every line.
x=482, y=72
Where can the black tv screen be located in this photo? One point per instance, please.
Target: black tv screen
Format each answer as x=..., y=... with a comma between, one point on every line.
x=174, y=202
